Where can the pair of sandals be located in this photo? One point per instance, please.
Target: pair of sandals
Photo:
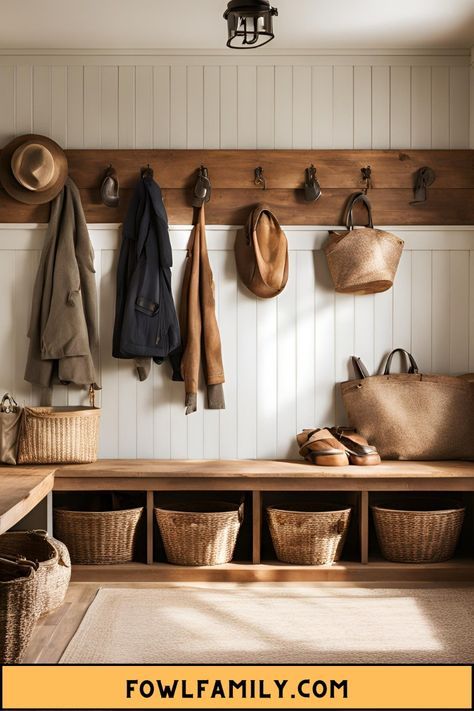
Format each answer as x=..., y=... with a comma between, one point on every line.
x=336, y=447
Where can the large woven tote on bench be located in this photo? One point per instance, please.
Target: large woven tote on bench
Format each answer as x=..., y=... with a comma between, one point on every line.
x=59, y=435
x=413, y=415
x=362, y=260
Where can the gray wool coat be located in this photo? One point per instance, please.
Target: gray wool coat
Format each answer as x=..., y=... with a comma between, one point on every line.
x=63, y=333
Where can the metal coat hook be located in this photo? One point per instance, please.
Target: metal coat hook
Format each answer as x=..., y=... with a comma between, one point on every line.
x=110, y=187
x=260, y=178
x=367, y=178
x=202, y=188
x=424, y=177
x=147, y=172
x=312, y=188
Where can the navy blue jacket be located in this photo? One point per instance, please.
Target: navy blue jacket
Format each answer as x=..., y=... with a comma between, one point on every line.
x=146, y=324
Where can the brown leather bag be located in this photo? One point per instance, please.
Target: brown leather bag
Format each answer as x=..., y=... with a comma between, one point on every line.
x=412, y=415
x=261, y=254
x=363, y=260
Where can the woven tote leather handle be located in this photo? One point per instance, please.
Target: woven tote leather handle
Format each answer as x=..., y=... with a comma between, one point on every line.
x=413, y=364
x=353, y=200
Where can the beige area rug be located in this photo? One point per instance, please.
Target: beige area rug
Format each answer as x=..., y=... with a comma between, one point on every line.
x=271, y=624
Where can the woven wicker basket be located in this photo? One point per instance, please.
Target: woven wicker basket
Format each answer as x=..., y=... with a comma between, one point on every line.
x=18, y=614
x=418, y=531
x=200, y=533
x=59, y=435
x=54, y=571
x=309, y=534
x=98, y=537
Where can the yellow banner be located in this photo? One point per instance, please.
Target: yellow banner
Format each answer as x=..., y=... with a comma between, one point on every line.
x=240, y=687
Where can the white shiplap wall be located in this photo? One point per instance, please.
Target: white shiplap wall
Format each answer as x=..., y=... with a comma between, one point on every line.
x=282, y=357
x=208, y=101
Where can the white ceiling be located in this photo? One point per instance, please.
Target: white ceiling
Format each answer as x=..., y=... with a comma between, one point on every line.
x=198, y=24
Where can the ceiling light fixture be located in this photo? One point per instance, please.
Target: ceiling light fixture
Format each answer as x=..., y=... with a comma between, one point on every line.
x=249, y=23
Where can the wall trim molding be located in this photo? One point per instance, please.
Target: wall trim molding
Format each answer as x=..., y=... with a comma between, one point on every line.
x=221, y=238
x=41, y=57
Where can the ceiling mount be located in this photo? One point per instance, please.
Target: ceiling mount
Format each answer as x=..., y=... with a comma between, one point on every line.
x=249, y=23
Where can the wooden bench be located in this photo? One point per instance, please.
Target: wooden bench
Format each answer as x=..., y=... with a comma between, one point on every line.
x=261, y=479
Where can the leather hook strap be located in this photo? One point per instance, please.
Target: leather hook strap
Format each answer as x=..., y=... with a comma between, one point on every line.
x=413, y=364
x=424, y=178
x=354, y=200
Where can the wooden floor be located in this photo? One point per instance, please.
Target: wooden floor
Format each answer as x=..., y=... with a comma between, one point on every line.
x=53, y=633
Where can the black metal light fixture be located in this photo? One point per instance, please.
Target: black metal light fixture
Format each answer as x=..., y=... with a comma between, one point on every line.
x=249, y=23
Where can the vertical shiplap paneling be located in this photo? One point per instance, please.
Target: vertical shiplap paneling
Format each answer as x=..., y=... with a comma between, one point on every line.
x=7, y=114
x=471, y=311
x=266, y=107
x=421, y=299
x=228, y=281
x=59, y=104
x=459, y=312
x=267, y=378
x=246, y=373
x=25, y=267
x=441, y=312
x=400, y=107
x=402, y=299
x=212, y=109
x=459, y=107
x=322, y=107
x=343, y=107
x=161, y=106
x=126, y=107
x=23, y=98
x=421, y=107
x=302, y=107
x=195, y=107
x=109, y=116
x=109, y=439
x=42, y=101
x=362, y=107
x=286, y=385
x=344, y=327
x=380, y=107
x=143, y=107
x=246, y=107
x=172, y=394
x=283, y=107
x=92, y=106
x=178, y=107
x=324, y=350
x=305, y=340
x=75, y=107
x=228, y=107
x=7, y=319
x=364, y=331
x=440, y=107
x=383, y=327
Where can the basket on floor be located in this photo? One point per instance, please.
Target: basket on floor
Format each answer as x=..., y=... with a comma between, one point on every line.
x=18, y=610
x=54, y=569
x=308, y=534
x=200, y=533
x=98, y=537
x=59, y=435
x=418, y=530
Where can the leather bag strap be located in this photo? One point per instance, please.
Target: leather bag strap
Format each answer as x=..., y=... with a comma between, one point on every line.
x=353, y=200
x=413, y=364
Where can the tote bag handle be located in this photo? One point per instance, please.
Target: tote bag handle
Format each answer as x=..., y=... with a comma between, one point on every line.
x=353, y=200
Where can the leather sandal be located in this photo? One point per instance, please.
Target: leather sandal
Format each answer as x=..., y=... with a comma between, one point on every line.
x=359, y=451
x=319, y=447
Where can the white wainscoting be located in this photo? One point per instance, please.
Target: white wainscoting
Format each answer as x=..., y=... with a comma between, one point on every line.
x=282, y=357
x=354, y=100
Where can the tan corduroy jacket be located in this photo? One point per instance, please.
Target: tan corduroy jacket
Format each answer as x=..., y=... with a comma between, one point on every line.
x=198, y=323
x=63, y=333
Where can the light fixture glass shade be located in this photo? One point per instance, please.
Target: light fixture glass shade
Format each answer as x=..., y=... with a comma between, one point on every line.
x=249, y=23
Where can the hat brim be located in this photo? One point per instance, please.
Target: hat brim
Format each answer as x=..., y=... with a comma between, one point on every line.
x=14, y=188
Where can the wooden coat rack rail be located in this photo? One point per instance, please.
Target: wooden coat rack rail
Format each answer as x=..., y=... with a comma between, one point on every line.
x=450, y=199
